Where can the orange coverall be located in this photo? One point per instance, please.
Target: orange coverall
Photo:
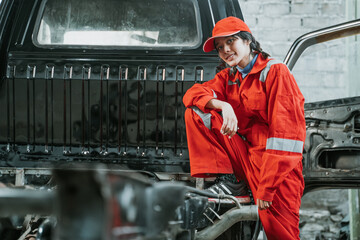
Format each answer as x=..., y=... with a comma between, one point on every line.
x=268, y=155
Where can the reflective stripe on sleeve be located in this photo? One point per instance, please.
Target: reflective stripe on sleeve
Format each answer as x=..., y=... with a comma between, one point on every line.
x=206, y=117
x=214, y=94
x=283, y=144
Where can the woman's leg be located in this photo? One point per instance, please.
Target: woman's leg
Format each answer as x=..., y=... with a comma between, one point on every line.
x=210, y=151
x=281, y=220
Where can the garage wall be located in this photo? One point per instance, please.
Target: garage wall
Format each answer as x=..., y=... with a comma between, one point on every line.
x=277, y=23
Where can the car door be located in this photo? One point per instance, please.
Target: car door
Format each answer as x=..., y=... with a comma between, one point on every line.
x=325, y=64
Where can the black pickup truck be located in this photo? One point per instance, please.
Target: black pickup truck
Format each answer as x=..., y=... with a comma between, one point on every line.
x=92, y=121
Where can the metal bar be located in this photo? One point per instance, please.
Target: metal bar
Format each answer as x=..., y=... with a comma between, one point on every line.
x=67, y=76
x=49, y=76
x=10, y=75
x=322, y=35
x=182, y=128
x=157, y=110
x=107, y=69
x=24, y=201
x=13, y=107
x=8, y=110
x=101, y=109
x=179, y=71
x=64, y=113
x=144, y=115
x=33, y=107
x=119, y=109
x=138, y=113
x=141, y=77
x=105, y=73
x=28, y=113
x=246, y=213
x=46, y=110
x=176, y=114
x=83, y=109
x=28, y=23
x=199, y=74
x=123, y=76
x=31, y=70
x=19, y=177
x=163, y=113
x=89, y=112
x=52, y=112
x=125, y=112
x=86, y=73
x=70, y=110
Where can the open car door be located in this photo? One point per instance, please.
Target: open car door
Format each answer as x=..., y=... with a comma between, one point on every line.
x=325, y=64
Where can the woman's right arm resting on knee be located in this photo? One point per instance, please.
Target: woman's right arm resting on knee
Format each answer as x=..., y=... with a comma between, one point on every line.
x=229, y=126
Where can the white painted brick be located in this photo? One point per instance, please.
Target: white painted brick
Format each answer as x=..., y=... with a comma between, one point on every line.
x=332, y=9
x=277, y=49
x=251, y=8
x=277, y=8
x=251, y=21
x=274, y=23
x=316, y=22
x=279, y=35
x=306, y=8
x=321, y=94
x=276, y=28
x=295, y=33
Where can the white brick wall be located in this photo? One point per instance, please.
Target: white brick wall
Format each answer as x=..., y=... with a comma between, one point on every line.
x=276, y=24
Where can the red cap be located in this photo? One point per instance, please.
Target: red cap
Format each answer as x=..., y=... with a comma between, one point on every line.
x=223, y=28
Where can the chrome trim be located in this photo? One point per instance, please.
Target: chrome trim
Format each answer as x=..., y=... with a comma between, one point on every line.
x=322, y=35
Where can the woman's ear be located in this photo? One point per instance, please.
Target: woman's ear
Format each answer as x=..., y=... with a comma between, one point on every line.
x=252, y=45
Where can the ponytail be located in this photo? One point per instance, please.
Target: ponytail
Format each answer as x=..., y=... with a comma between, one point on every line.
x=254, y=45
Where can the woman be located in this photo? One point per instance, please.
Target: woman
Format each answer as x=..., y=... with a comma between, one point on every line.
x=249, y=121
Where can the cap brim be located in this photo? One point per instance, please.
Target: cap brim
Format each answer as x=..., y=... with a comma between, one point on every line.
x=209, y=43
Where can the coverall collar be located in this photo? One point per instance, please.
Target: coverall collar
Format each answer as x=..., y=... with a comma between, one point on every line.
x=260, y=64
x=245, y=71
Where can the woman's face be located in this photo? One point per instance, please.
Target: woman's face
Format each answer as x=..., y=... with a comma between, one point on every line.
x=233, y=50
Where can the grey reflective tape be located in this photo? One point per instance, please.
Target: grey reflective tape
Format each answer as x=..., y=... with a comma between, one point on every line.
x=232, y=71
x=237, y=82
x=214, y=94
x=206, y=117
x=283, y=144
x=266, y=70
x=231, y=82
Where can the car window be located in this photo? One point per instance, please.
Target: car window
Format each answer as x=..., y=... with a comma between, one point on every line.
x=135, y=23
x=329, y=70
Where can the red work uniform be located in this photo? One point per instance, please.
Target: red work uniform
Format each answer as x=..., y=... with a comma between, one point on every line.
x=267, y=152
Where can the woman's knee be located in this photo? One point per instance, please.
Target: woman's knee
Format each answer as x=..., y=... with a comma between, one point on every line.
x=194, y=114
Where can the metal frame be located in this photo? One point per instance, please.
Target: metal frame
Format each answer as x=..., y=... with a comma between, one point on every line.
x=322, y=35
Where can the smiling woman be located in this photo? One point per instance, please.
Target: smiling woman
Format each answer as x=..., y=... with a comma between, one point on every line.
x=118, y=23
x=249, y=121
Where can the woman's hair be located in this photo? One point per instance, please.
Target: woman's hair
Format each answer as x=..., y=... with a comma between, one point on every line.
x=254, y=45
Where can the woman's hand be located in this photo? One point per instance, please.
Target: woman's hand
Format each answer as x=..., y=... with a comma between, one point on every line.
x=229, y=126
x=263, y=205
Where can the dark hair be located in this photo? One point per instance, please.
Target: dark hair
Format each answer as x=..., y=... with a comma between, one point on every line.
x=254, y=45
